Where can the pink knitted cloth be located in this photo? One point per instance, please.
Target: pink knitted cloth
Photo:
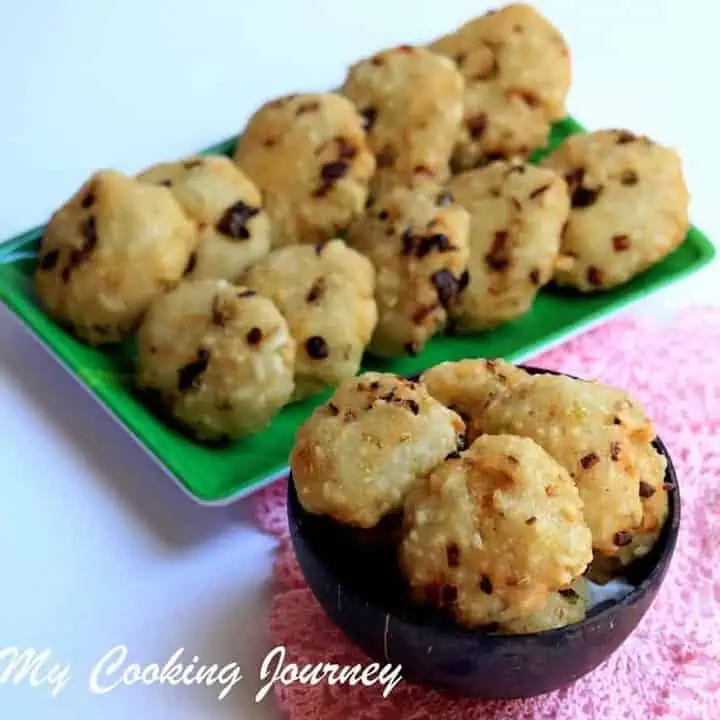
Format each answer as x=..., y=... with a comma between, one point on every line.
x=670, y=667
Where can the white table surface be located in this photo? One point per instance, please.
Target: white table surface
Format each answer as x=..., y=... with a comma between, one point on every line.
x=100, y=548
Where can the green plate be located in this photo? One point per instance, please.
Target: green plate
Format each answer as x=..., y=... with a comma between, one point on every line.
x=219, y=475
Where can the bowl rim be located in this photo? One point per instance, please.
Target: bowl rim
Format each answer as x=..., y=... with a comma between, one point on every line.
x=606, y=609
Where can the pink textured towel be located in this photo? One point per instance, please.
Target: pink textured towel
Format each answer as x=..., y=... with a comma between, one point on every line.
x=670, y=667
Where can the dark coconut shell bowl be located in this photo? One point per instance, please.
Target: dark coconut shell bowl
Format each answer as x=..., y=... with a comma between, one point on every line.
x=355, y=579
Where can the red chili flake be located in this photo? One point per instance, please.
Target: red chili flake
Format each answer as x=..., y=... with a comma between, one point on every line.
x=88, y=200
x=646, y=489
x=427, y=244
x=254, y=336
x=589, y=460
x=317, y=348
x=422, y=314
x=233, y=221
x=668, y=486
x=530, y=99
x=306, y=107
x=386, y=157
x=583, y=197
x=246, y=293
x=413, y=406
x=322, y=189
x=615, y=450
x=535, y=276
x=620, y=243
x=497, y=258
x=408, y=241
x=477, y=125
x=189, y=375
x=333, y=409
x=463, y=280
x=346, y=150
x=316, y=291
x=623, y=137
x=369, y=116
x=539, y=191
x=575, y=177
x=622, y=538
x=49, y=260
x=192, y=261
x=500, y=241
x=629, y=177
x=77, y=257
x=334, y=170
x=531, y=520
x=89, y=232
x=491, y=157
x=486, y=584
x=594, y=276
x=453, y=555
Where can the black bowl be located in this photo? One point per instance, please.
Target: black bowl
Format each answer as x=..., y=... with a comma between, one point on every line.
x=359, y=587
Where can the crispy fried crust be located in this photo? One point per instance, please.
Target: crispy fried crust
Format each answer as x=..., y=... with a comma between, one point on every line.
x=491, y=534
x=326, y=294
x=357, y=456
x=219, y=357
x=629, y=207
x=113, y=248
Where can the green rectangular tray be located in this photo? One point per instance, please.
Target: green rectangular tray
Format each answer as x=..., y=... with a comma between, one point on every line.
x=220, y=475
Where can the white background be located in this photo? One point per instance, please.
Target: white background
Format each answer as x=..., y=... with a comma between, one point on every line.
x=98, y=547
